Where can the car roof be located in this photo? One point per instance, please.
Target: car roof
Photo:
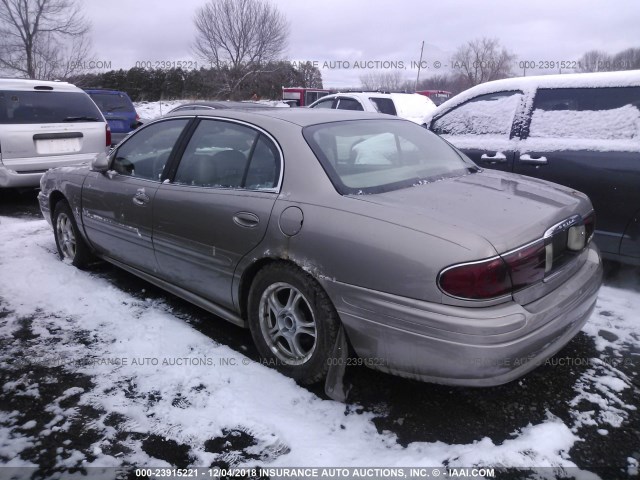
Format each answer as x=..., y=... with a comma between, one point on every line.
x=26, y=84
x=298, y=116
x=223, y=104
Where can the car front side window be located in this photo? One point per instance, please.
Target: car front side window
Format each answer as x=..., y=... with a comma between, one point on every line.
x=324, y=104
x=145, y=154
x=490, y=114
x=349, y=104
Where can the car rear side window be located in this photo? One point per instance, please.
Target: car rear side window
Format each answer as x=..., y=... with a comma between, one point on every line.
x=384, y=105
x=229, y=155
x=34, y=107
x=611, y=113
x=146, y=153
x=490, y=114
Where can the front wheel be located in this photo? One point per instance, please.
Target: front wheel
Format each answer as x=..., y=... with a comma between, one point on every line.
x=293, y=322
x=71, y=246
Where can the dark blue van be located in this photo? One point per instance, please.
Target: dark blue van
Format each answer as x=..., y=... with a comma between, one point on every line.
x=118, y=110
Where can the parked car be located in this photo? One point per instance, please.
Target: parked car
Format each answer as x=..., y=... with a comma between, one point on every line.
x=45, y=125
x=437, y=96
x=579, y=130
x=118, y=110
x=411, y=106
x=429, y=266
x=222, y=104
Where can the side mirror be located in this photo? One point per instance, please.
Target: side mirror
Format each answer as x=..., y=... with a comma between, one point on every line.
x=100, y=163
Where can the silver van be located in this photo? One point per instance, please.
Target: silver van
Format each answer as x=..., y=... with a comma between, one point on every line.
x=45, y=125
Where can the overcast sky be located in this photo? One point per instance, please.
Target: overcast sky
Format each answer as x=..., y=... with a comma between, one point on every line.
x=125, y=32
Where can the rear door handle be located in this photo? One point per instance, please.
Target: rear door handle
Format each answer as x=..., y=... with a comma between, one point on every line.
x=246, y=219
x=529, y=160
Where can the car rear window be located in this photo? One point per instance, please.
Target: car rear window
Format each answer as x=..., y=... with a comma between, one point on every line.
x=110, y=102
x=47, y=107
x=374, y=156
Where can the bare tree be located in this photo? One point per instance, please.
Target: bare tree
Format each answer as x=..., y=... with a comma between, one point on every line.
x=628, y=59
x=238, y=36
x=388, y=81
x=42, y=38
x=439, y=81
x=594, y=61
x=483, y=60
x=310, y=75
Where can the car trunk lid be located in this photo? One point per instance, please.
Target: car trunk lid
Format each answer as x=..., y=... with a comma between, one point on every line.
x=507, y=210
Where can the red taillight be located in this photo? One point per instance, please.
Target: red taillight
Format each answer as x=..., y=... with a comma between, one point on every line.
x=527, y=264
x=108, y=130
x=520, y=268
x=589, y=225
x=477, y=281
x=496, y=277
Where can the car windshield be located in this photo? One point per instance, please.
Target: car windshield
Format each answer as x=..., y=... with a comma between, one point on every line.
x=374, y=156
x=109, y=102
x=46, y=107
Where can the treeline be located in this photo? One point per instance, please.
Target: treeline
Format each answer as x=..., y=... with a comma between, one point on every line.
x=485, y=59
x=153, y=84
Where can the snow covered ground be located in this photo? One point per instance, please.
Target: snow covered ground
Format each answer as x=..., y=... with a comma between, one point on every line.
x=95, y=376
x=150, y=110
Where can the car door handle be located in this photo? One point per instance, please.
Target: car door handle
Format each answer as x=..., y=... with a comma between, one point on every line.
x=497, y=157
x=528, y=159
x=246, y=219
x=141, y=198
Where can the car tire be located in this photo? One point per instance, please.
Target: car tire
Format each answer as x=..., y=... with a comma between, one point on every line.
x=71, y=245
x=293, y=322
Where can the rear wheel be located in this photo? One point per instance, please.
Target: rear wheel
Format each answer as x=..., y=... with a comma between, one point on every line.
x=293, y=322
x=71, y=246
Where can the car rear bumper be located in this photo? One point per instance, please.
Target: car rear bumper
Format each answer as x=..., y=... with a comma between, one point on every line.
x=10, y=178
x=27, y=172
x=465, y=346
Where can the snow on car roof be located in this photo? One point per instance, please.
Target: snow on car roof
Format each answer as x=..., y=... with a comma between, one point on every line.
x=26, y=84
x=630, y=78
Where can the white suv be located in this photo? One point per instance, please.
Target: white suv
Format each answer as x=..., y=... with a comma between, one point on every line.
x=45, y=125
x=411, y=106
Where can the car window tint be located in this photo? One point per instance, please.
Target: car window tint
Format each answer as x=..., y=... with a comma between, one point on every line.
x=490, y=114
x=384, y=105
x=349, y=104
x=217, y=155
x=367, y=156
x=324, y=104
x=47, y=107
x=146, y=153
x=611, y=113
